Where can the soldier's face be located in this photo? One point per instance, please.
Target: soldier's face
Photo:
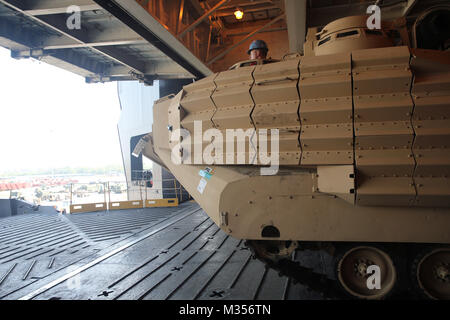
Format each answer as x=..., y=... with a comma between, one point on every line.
x=257, y=54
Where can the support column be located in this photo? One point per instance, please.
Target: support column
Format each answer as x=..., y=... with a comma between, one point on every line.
x=296, y=22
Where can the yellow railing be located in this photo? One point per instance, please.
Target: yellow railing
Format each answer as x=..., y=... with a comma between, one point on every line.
x=108, y=204
x=88, y=207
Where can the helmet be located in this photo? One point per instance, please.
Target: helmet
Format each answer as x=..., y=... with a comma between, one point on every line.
x=258, y=44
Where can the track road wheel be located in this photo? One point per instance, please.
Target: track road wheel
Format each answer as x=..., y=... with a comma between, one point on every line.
x=366, y=272
x=432, y=272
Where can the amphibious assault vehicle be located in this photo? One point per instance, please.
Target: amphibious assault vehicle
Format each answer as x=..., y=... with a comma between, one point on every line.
x=345, y=148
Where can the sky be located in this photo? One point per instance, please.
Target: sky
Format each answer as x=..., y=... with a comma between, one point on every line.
x=51, y=118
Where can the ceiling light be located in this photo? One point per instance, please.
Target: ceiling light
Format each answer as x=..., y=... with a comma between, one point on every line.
x=239, y=14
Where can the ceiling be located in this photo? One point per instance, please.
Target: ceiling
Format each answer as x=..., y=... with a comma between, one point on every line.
x=155, y=39
x=104, y=49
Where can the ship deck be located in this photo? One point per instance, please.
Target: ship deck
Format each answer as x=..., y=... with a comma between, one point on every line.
x=140, y=254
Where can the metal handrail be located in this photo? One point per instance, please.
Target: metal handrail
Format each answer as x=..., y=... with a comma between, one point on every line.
x=105, y=190
x=177, y=190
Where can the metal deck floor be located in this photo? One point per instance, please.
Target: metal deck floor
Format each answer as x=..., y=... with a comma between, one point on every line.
x=155, y=253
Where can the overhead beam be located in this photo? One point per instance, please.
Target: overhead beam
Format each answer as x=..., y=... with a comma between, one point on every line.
x=115, y=34
x=122, y=58
x=139, y=20
x=198, y=8
x=12, y=44
x=163, y=68
x=68, y=66
x=21, y=42
x=241, y=4
x=409, y=6
x=227, y=13
x=14, y=38
x=148, y=80
x=251, y=7
x=64, y=59
x=180, y=16
x=56, y=43
x=239, y=34
x=203, y=17
x=44, y=7
x=117, y=63
x=208, y=48
x=58, y=23
x=73, y=62
x=249, y=36
x=215, y=23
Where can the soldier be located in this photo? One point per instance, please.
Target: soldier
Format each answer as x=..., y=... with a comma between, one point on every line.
x=258, y=50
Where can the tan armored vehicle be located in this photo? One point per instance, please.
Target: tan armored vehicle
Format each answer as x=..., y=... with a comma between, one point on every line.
x=344, y=149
